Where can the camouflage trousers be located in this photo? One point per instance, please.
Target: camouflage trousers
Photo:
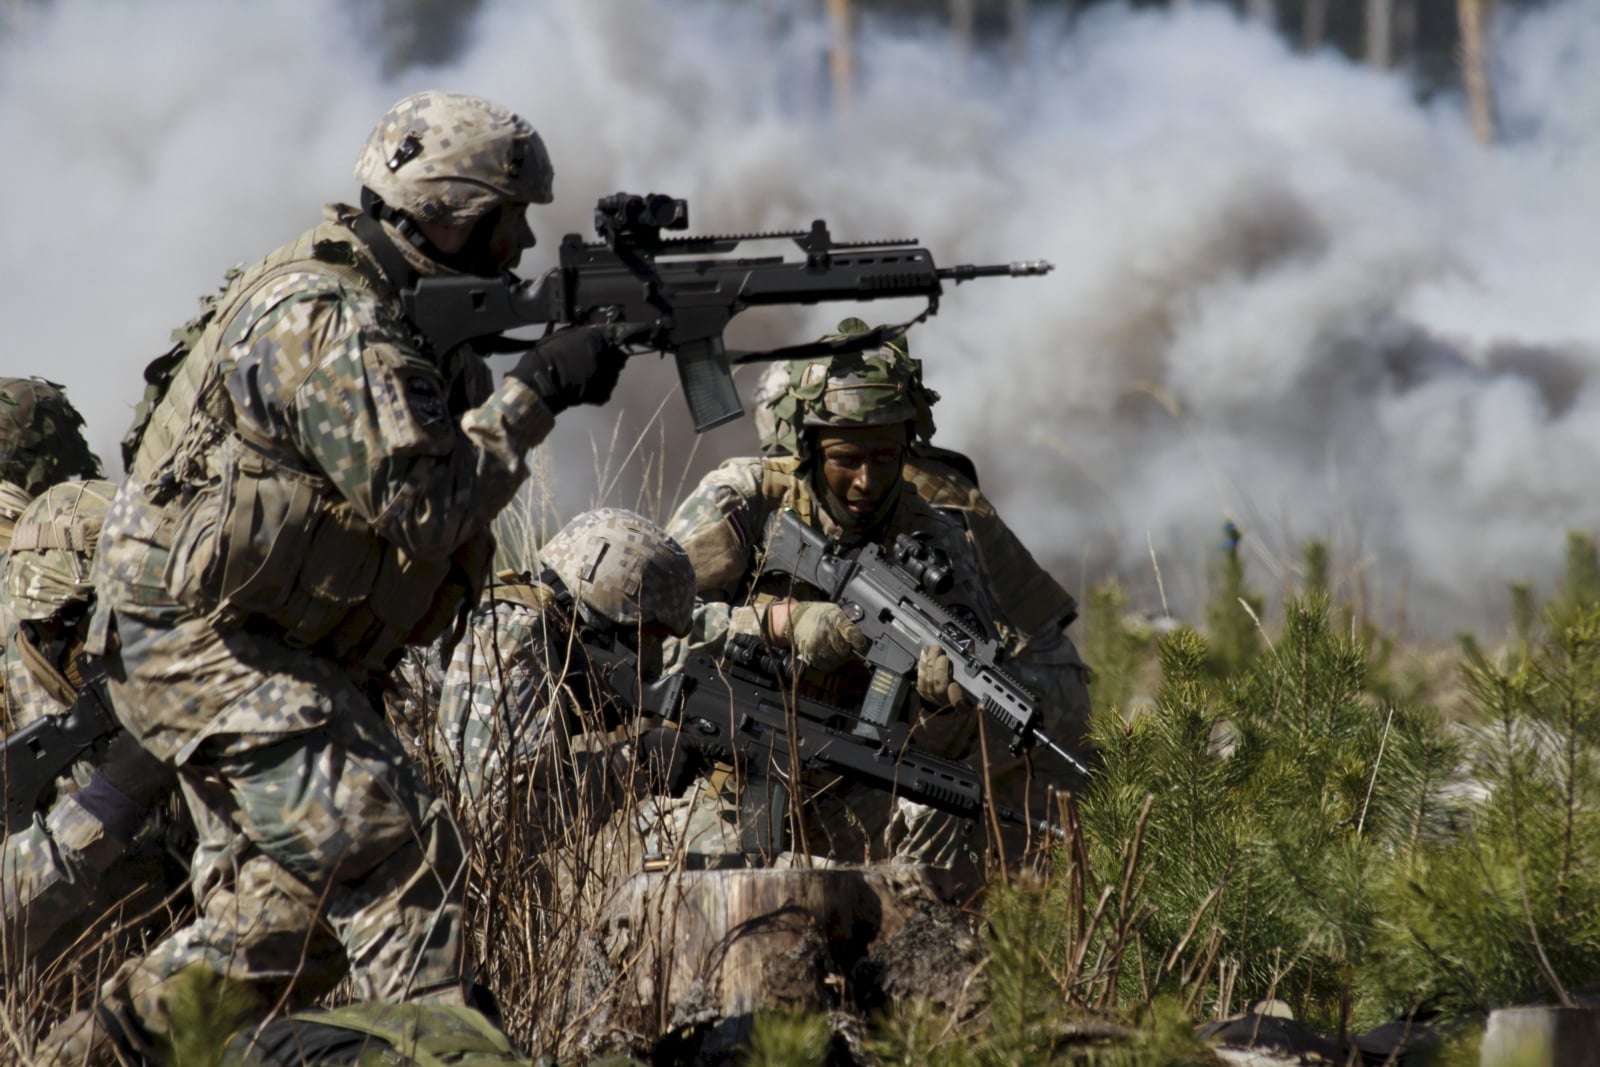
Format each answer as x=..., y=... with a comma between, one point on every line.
x=50, y=873
x=321, y=853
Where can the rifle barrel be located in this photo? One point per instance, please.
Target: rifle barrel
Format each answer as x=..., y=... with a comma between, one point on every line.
x=1076, y=764
x=1022, y=268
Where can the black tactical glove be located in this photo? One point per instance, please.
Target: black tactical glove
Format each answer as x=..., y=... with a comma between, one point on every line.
x=579, y=365
x=672, y=759
x=125, y=786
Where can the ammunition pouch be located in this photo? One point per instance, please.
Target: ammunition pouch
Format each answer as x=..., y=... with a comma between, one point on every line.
x=267, y=543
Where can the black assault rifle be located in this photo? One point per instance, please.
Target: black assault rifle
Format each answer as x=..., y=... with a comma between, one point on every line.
x=889, y=594
x=683, y=305
x=739, y=711
x=39, y=753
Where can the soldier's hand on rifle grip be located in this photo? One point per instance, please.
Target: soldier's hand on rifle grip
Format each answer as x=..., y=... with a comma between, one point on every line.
x=669, y=759
x=935, y=684
x=819, y=633
x=579, y=365
x=125, y=786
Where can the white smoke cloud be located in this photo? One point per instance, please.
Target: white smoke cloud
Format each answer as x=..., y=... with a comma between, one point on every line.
x=1285, y=291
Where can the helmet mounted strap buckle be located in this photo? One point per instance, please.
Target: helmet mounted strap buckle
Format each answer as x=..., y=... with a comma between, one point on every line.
x=405, y=152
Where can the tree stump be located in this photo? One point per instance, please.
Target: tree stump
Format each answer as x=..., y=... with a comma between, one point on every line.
x=1542, y=1037
x=684, y=959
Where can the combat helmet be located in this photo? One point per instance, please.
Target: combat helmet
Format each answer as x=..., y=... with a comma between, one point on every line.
x=624, y=567
x=52, y=547
x=41, y=436
x=448, y=158
x=881, y=386
x=13, y=501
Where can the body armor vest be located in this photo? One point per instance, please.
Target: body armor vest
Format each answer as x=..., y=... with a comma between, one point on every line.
x=259, y=541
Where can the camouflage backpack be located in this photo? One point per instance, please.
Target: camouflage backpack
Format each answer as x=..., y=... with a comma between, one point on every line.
x=41, y=436
x=158, y=372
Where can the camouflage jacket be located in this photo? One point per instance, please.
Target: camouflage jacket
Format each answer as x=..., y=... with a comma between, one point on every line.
x=29, y=691
x=1033, y=603
x=725, y=524
x=502, y=682
x=315, y=468
x=521, y=721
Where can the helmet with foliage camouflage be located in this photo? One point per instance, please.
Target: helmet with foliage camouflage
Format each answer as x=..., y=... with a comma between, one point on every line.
x=878, y=387
x=12, y=502
x=447, y=158
x=52, y=547
x=623, y=566
x=41, y=436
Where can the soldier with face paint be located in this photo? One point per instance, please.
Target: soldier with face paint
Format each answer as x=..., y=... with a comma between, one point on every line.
x=854, y=418
x=311, y=495
x=1034, y=609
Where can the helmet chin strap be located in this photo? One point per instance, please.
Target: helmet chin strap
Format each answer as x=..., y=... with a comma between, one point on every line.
x=367, y=227
x=474, y=257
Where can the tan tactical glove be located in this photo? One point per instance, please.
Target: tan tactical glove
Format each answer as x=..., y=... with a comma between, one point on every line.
x=935, y=684
x=822, y=637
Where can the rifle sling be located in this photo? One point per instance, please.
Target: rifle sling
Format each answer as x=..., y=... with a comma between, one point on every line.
x=400, y=274
x=46, y=673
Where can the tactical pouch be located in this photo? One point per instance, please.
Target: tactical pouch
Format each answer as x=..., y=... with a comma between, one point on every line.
x=240, y=542
x=265, y=541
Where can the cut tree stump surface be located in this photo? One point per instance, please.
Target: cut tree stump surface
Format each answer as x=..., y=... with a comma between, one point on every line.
x=679, y=950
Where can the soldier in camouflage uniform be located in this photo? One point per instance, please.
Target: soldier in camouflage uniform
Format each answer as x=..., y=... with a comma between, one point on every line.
x=41, y=436
x=51, y=872
x=13, y=501
x=313, y=493
x=1034, y=608
x=41, y=443
x=856, y=416
x=517, y=690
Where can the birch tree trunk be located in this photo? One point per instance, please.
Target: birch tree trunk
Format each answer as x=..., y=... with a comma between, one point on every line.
x=1263, y=11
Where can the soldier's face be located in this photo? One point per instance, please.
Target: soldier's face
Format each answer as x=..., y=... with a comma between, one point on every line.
x=508, y=234
x=511, y=235
x=862, y=465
